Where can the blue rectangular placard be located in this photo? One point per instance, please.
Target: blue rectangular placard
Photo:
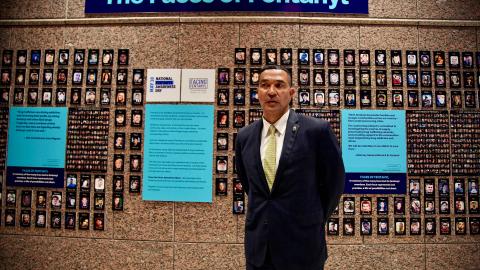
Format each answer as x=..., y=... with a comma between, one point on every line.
x=324, y=6
x=36, y=147
x=178, y=153
x=374, y=151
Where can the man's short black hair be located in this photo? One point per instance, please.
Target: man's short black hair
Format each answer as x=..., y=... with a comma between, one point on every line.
x=276, y=67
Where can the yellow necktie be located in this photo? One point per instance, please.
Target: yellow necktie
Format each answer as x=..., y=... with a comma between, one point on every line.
x=269, y=161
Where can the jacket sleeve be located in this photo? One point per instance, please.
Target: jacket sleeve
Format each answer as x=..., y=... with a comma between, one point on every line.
x=333, y=171
x=241, y=173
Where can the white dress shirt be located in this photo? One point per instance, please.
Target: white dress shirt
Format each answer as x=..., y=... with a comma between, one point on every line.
x=281, y=126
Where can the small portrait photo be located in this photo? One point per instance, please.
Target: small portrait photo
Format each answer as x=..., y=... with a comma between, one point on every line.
x=91, y=76
x=49, y=57
x=365, y=98
x=137, y=118
x=120, y=118
x=107, y=57
x=117, y=202
x=454, y=59
x=25, y=218
x=40, y=219
x=427, y=99
x=349, y=77
x=271, y=56
x=332, y=226
x=382, y=226
x=459, y=205
x=21, y=57
x=135, y=163
x=63, y=56
x=119, y=141
x=123, y=57
x=56, y=200
x=240, y=56
x=318, y=77
x=106, y=78
x=426, y=78
x=118, y=162
x=122, y=76
x=455, y=79
x=99, y=221
x=304, y=56
x=365, y=226
x=71, y=200
x=254, y=76
x=415, y=227
x=254, y=97
x=239, y=76
x=83, y=221
x=319, y=98
x=47, y=96
x=134, y=185
x=239, y=96
x=90, y=96
x=34, y=76
x=445, y=226
x=222, y=119
x=137, y=96
x=32, y=96
x=62, y=75
x=238, y=207
x=6, y=77
x=237, y=187
x=5, y=96
x=429, y=187
x=397, y=78
x=474, y=225
x=429, y=206
x=60, y=97
x=473, y=205
x=444, y=205
x=456, y=99
x=35, y=57
x=459, y=186
x=382, y=100
x=333, y=57
x=380, y=58
x=70, y=221
x=85, y=180
x=79, y=57
x=223, y=76
x=467, y=59
x=9, y=217
x=56, y=220
x=468, y=79
x=399, y=205
x=121, y=97
x=223, y=96
x=366, y=205
x=441, y=98
x=135, y=141
x=318, y=57
x=333, y=97
x=20, y=77
x=303, y=97
x=412, y=78
x=93, y=57
x=400, y=225
x=71, y=181
x=286, y=56
x=99, y=183
x=349, y=205
x=439, y=59
x=473, y=186
x=412, y=58
x=221, y=187
x=425, y=57
x=304, y=77
x=7, y=59
x=364, y=58
x=76, y=96
x=350, y=98
x=443, y=188
x=348, y=226
x=415, y=206
x=84, y=201
x=238, y=119
x=77, y=77
x=99, y=201
x=460, y=226
x=334, y=77
x=222, y=164
x=414, y=187
x=470, y=101
x=349, y=57
x=138, y=75
x=396, y=58
x=365, y=77
x=381, y=77
x=18, y=96
x=26, y=198
x=118, y=183
x=256, y=56
x=105, y=96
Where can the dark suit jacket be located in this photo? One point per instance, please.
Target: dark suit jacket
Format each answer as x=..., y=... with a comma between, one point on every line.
x=308, y=184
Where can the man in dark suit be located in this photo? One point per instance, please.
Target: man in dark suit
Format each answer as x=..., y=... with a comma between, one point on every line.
x=291, y=169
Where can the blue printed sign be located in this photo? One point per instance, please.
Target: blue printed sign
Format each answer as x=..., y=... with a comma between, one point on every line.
x=325, y=6
x=36, y=147
x=374, y=151
x=178, y=153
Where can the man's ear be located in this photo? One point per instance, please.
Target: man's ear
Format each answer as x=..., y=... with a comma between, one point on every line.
x=292, y=92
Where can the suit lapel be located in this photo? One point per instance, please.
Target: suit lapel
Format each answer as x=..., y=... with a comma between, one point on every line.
x=290, y=135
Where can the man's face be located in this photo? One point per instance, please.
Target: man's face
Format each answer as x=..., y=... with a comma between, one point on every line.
x=274, y=91
x=255, y=56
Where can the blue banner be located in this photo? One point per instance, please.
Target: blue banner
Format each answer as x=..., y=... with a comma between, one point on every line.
x=178, y=153
x=136, y=6
x=36, y=147
x=374, y=151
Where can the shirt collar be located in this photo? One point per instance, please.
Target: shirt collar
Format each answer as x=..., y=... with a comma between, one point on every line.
x=280, y=125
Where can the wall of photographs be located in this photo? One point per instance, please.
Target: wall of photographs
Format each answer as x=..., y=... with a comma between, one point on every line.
x=96, y=86
x=439, y=91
